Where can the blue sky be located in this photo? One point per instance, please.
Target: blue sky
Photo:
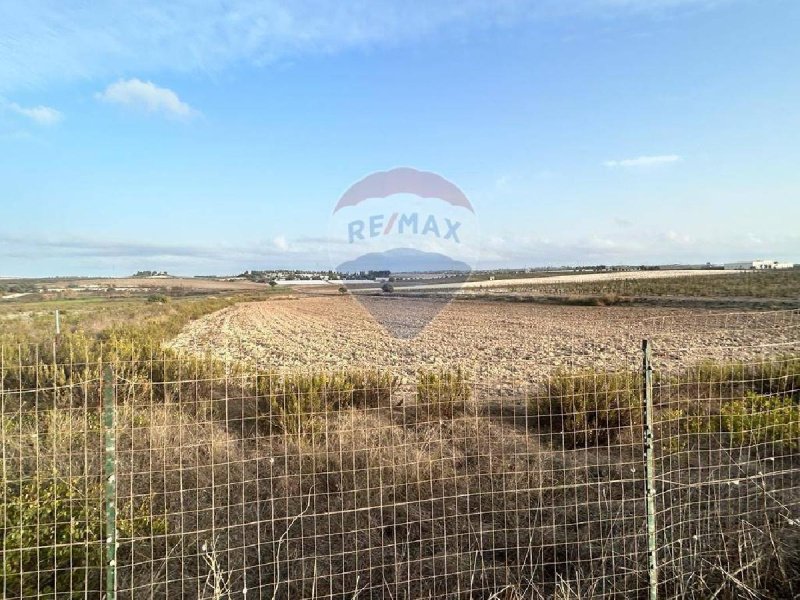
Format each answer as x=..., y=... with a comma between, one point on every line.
x=217, y=137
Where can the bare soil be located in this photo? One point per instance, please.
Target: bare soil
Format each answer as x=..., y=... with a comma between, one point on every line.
x=499, y=341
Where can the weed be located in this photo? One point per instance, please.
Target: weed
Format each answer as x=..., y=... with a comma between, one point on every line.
x=591, y=407
x=53, y=530
x=297, y=402
x=753, y=419
x=445, y=393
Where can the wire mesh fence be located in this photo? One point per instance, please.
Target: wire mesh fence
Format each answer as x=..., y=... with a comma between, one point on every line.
x=132, y=473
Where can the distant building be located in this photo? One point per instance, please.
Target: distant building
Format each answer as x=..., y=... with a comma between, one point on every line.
x=759, y=265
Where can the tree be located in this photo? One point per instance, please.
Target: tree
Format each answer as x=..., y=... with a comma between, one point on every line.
x=387, y=288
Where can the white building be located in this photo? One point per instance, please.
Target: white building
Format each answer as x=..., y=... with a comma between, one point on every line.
x=759, y=265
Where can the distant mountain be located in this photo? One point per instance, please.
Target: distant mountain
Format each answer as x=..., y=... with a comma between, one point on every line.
x=403, y=260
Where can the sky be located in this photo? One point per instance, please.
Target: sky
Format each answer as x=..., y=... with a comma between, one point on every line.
x=215, y=137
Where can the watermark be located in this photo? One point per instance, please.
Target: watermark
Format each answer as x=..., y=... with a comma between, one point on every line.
x=399, y=235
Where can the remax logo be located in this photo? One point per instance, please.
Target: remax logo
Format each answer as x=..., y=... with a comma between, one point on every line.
x=396, y=230
x=408, y=222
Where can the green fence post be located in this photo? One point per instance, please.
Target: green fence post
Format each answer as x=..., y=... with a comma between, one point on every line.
x=109, y=425
x=649, y=468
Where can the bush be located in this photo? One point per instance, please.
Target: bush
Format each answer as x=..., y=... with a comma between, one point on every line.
x=157, y=299
x=53, y=532
x=387, y=288
x=445, y=393
x=592, y=408
x=758, y=419
x=371, y=388
x=726, y=380
x=753, y=419
x=296, y=403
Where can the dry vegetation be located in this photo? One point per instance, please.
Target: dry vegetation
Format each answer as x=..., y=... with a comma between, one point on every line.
x=753, y=284
x=336, y=481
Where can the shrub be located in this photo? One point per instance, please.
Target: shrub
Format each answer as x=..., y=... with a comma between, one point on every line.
x=725, y=380
x=54, y=536
x=371, y=388
x=387, y=288
x=157, y=299
x=445, y=393
x=53, y=532
x=342, y=290
x=758, y=419
x=592, y=408
x=297, y=402
x=753, y=419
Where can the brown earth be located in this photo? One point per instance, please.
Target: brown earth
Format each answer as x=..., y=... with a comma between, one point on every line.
x=495, y=340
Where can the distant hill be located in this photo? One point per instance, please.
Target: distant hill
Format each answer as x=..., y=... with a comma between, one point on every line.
x=403, y=260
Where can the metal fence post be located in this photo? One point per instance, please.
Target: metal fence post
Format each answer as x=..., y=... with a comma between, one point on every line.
x=109, y=426
x=649, y=468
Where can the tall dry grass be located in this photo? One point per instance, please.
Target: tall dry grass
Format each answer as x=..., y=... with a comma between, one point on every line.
x=349, y=485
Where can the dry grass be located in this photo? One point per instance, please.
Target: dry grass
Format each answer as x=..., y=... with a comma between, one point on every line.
x=756, y=284
x=386, y=499
x=442, y=488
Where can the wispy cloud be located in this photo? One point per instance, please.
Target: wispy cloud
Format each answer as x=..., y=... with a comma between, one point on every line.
x=29, y=245
x=54, y=40
x=27, y=253
x=42, y=115
x=643, y=161
x=281, y=243
x=626, y=247
x=147, y=97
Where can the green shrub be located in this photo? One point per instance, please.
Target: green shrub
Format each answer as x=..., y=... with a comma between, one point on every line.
x=371, y=388
x=591, y=407
x=757, y=419
x=53, y=532
x=726, y=380
x=445, y=393
x=296, y=403
x=157, y=299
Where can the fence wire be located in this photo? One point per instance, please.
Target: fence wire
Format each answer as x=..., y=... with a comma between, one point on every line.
x=239, y=481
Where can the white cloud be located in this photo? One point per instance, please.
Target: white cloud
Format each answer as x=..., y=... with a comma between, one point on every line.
x=29, y=251
x=52, y=40
x=43, y=115
x=281, y=243
x=632, y=247
x=674, y=237
x=146, y=96
x=643, y=161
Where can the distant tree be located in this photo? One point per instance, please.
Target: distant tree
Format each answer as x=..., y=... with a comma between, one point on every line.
x=387, y=288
